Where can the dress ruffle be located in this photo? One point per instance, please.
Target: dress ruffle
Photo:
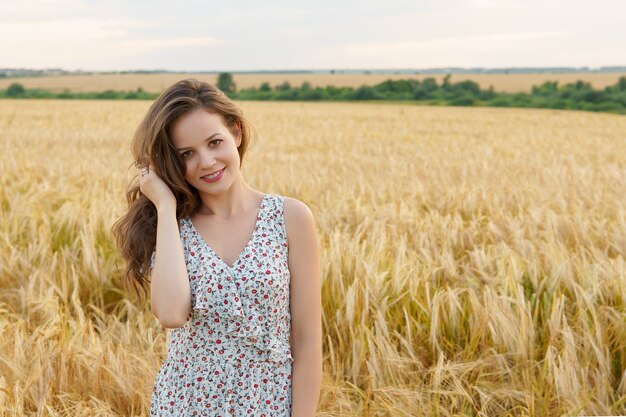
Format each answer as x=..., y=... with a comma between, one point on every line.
x=239, y=321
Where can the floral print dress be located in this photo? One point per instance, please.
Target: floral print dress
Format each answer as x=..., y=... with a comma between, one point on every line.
x=232, y=357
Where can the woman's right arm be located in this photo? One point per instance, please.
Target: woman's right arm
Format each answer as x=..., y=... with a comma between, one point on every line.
x=169, y=292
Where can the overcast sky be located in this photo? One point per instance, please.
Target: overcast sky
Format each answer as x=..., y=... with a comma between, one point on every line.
x=289, y=35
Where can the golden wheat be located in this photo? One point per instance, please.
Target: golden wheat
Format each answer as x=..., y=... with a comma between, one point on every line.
x=473, y=258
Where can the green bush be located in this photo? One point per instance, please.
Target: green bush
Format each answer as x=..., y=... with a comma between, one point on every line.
x=16, y=90
x=465, y=100
x=579, y=95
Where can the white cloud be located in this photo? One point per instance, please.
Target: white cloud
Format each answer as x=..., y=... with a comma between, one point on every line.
x=472, y=41
x=146, y=45
x=83, y=42
x=279, y=34
x=82, y=29
x=31, y=7
x=487, y=3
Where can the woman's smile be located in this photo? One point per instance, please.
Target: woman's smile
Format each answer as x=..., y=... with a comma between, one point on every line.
x=213, y=177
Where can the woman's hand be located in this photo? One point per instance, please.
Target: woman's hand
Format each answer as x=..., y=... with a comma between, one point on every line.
x=153, y=187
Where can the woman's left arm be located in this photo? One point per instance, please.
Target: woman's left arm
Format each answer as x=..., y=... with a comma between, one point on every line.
x=306, y=308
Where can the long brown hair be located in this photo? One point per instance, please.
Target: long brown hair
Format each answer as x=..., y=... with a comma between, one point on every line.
x=135, y=232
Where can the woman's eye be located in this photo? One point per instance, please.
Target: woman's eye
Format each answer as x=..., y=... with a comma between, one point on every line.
x=186, y=154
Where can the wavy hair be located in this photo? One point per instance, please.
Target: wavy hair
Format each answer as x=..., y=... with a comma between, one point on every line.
x=135, y=231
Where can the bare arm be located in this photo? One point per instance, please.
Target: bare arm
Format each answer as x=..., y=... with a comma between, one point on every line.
x=306, y=308
x=170, y=292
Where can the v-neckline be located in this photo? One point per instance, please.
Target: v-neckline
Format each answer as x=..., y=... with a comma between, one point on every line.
x=253, y=234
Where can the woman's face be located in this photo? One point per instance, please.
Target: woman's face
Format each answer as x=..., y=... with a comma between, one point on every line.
x=207, y=147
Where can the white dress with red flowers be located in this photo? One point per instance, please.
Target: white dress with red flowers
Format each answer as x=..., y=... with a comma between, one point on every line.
x=232, y=357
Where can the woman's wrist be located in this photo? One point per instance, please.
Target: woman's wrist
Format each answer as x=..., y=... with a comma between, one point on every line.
x=166, y=206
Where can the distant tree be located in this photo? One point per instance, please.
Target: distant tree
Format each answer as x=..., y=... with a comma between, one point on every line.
x=16, y=90
x=430, y=84
x=582, y=85
x=312, y=94
x=225, y=83
x=284, y=86
x=108, y=94
x=488, y=94
x=466, y=87
x=426, y=89
x=265, y=87
x=398, y=86
x=548, y=88
x=446, y=82
x=364, y=92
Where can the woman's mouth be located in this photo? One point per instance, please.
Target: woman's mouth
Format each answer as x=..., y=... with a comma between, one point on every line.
x=214, y=176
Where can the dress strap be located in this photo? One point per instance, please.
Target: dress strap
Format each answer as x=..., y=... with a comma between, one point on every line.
x=276, y=218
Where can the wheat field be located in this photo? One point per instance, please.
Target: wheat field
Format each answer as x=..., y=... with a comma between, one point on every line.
x=473, y=259
x=510, y=83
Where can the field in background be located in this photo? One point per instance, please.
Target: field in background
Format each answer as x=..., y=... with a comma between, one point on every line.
x=158, y=82
x=473, y=258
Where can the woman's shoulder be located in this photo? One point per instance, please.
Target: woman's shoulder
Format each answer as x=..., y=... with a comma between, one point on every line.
x=298, y=217
x=294, y=206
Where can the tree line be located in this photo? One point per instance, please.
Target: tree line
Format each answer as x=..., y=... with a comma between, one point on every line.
x=579, y=95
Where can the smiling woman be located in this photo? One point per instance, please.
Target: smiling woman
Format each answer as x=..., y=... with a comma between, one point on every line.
x=206, y=160
x=235, y=272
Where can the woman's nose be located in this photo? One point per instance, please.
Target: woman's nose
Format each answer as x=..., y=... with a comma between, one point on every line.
x=207, y=159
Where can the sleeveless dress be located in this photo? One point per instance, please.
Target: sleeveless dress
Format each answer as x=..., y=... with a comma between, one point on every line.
x=232, y=357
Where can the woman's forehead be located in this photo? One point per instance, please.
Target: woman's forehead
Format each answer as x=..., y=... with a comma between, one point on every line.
x=196, y=125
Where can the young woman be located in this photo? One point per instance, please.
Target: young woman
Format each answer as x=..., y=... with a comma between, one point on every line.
x=234, y=272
